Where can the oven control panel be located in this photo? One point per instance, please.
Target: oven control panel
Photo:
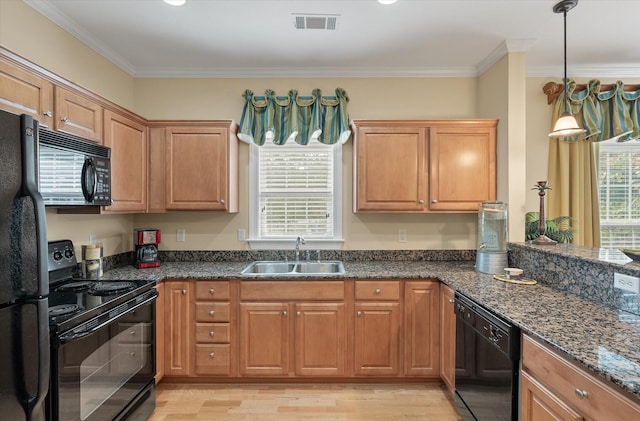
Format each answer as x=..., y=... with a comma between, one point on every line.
x=61, y=255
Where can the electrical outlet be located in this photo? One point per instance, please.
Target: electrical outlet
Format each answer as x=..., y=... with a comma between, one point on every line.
x=402, y=236
x=626, y=282
x=242, y=234
x=92, y=238
x=180, y=235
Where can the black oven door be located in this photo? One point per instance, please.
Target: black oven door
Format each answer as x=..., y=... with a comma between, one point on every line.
x=98, y=373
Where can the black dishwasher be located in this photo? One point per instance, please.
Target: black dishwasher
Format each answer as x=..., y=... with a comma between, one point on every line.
x=487, y=363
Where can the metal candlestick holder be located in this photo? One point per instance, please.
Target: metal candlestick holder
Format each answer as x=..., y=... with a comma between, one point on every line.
x=542, y=239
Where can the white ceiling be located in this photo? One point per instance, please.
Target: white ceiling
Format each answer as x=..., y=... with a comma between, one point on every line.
x=257, y=38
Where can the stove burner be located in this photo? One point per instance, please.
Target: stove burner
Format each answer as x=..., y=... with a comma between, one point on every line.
x=63, y=309
x=108, y=288
x=79, y=286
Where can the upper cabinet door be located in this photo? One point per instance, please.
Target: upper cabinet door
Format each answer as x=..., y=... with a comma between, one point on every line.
x=390, y=169
x=22, y=92
x=129, y=149
x=462, y=166
x=78, y=115
x=197, y=168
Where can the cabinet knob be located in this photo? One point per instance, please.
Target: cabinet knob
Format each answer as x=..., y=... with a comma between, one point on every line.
x=378, y=291
x=421, y=201
x=211, y=334
x=184, y=292
x=64, y=119
x=452, y=301
x=298, y=313
x=434, y=201
x=212, y=354
x=284, y=312
x=211, y=291
x=210, y=312
x=359, y=313
x=132, y=333
x=222, y=201
x=47, y=114
x=581, y=394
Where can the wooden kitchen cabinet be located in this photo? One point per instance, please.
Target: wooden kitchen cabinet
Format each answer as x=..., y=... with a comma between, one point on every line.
x=77, y=115
x=23, y=92
x=127, y=138
x=292, y=328
x=422, y=166
x=264, y=339
x=177, y=329
x=422, y=328
x=199, y=168
x=462, y=165
x=214, y=333
x=553, y=388
x=447, y=337
x=390, y=165
x=160, y=342
x=377, y=328
x=319, y=339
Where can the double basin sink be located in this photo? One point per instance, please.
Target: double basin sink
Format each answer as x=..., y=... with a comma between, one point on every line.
x=300, y=268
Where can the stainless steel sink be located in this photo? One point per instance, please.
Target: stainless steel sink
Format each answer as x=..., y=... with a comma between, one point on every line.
x=280, y=268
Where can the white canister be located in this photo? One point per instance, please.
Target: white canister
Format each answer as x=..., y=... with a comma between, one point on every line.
x=92, y=261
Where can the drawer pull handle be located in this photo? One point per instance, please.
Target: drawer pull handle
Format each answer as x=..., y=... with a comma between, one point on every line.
x=581, y=394
x=212, y=354
x=64, y=119
x=48, y=114
x=211, y=291
x=211, y=333
x=211, y=313
x=378, y=291
x=359, y=313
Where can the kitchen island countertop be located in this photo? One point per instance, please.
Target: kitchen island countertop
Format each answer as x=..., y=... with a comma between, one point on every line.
x=604, y=340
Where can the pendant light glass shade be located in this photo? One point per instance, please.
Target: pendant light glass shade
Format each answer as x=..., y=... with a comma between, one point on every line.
x=566, y=125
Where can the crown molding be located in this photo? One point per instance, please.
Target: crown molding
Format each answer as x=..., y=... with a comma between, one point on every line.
x=504, y=48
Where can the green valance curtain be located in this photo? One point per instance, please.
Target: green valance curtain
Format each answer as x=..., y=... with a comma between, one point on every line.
x=302, y=119
x=604, y=114
x=612, y=112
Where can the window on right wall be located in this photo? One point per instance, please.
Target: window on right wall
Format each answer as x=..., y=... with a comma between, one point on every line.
x=619, y=194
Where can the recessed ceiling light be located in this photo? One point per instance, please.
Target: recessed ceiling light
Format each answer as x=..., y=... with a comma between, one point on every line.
x=175, y=2
x=387, y=1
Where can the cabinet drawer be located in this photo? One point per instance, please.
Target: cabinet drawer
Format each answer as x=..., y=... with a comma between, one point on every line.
x=568, y=382
x=212, y=290
x=212, y=333
x=212, y=312
x=212, y=360
x=378, y=290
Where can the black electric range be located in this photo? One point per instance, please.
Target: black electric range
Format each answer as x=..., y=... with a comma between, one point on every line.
x=73, y=300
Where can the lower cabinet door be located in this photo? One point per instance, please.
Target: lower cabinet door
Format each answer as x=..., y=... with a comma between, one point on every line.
x=377, y=339
x=264, y=339
x=320, y=338
x=540, y=404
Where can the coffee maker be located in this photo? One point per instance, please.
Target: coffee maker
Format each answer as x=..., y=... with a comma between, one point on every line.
x=146, y=242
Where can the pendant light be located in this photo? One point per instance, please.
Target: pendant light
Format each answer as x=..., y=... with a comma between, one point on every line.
x=566, y=125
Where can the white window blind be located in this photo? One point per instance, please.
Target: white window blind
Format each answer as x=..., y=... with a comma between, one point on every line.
x=295, y=188
x=619, y=185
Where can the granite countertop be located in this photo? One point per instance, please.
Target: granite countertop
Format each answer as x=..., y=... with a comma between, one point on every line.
x=604, y=340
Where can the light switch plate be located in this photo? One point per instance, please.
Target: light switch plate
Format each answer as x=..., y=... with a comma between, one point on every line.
x=626, y=282
x=180, y=235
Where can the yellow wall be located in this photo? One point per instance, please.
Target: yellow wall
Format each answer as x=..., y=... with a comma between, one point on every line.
x=502, y=92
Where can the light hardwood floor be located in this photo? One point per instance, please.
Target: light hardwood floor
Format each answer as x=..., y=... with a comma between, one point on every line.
x=289, y=402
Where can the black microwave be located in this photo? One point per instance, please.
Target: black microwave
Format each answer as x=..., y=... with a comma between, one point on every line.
x=73, y=171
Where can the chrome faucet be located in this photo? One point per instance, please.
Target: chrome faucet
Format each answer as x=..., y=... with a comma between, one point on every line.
x=299, y=240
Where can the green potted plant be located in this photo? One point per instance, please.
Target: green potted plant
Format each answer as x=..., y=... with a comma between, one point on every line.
x=558, y=229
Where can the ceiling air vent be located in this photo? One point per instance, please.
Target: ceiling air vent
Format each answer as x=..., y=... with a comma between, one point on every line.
x=309, y=21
